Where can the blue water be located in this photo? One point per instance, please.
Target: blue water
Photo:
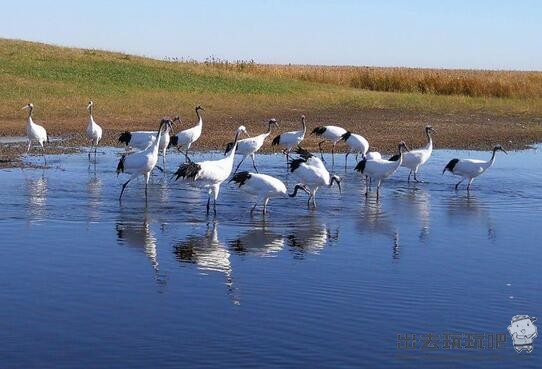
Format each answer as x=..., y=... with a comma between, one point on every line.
x=89, y=283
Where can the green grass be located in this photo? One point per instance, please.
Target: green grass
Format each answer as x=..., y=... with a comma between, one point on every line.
x=62, y=78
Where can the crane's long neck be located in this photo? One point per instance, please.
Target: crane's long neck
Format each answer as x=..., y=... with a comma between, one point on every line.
x=429, y=145
x=231, y=154
x=400, y=160
x=154, y=146
x=30, y=121
x=90, y=117
x=304, y=129
x=200, y=118
x=268, y=129
x=490, y=162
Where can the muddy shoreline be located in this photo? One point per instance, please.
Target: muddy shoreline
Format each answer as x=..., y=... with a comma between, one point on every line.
x=384, y=128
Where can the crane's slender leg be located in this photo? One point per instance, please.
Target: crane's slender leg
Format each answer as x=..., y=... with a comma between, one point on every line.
x=416, y=178
x=377, y=190
x=346, y=160
x=208, y=202
x=468, y=185
x=164, y=158
x=320, y=147
x=95, y=151
x=89, y=151
x=29, y=145
x=253, y=208
x=314, y=197
x=147, y=176
x=216, y=190
x=458, y=183
x=285, y=152
x=238, y=165
x=333, y=155
x=43, y=154
x=409, y=174
x=124, y=186
x=254, y=163
x=265, y=205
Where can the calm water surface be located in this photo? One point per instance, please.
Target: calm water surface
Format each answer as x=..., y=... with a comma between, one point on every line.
x=88, y=283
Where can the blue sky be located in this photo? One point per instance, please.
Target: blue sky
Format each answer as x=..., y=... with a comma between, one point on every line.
x=449, y=34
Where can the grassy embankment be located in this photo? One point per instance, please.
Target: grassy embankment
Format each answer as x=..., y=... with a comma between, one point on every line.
x=470, y=109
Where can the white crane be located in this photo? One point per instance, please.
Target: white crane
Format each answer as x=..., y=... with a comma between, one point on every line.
x=249, y=146
x=291, y=139
x=470, y=168
x=185, y=139
x=312, y=174
x=94, y=131
x=140, y=140
x=141, y=162
x=35, y=132
x=356, y=144
x=414, y=159
x=329, y=133
x=379, y=169
x=211, y=173
x=264, y=187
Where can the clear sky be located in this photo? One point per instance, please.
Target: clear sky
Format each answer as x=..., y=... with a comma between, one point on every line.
x=450, y=34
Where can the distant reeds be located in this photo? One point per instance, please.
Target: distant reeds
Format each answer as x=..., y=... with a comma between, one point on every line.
x=473, y=83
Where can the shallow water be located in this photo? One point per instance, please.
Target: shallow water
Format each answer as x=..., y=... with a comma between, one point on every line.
x=91, y=283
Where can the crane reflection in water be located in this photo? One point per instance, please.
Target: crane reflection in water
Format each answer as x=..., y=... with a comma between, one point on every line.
x=209, y=254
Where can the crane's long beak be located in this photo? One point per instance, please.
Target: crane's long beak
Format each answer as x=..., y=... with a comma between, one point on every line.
x=246, y=133
x=503, y=150
x=25, y=107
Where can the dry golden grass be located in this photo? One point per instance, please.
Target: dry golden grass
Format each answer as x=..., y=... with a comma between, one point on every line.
x=472, y=83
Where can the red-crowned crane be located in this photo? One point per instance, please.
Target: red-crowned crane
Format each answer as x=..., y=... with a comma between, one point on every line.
x=470, y=168
x=379, y=169
x=94, y=131
x=141, y=163
x=211, y=173
x=312, y=173
x=35, y=132
x=264, y=187
x=414, y=159
x=249, y=146
x=291, y=139
x=184, y=139
x=332, y=134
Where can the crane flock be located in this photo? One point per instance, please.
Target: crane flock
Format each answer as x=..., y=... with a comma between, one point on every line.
x=144, y=147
